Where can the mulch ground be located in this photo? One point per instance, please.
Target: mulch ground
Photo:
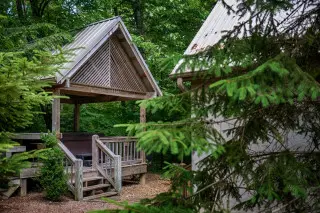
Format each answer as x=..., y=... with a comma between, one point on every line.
x=36, y=203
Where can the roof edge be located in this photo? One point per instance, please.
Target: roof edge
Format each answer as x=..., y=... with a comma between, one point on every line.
x=141, y=59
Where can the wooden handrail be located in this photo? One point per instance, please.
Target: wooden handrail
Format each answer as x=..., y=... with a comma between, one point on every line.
x=126, y=147
x=108, y=168
x=118, y=138
x=67, y=152
x=104, y=148
x=76, y=174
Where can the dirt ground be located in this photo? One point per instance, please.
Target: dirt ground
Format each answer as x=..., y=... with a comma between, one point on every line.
x=35, y=203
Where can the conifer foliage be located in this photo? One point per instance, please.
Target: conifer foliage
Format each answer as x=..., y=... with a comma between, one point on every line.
x=261, y=82
x=22, y=86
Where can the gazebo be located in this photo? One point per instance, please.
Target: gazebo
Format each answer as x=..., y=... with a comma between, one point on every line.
x=105, y=66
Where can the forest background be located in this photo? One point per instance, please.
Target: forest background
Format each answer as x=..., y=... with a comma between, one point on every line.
x=161, y=30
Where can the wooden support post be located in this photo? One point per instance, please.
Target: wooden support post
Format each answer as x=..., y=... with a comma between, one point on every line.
x=56, y=113
x=94, y=152
x=143, y=119
x=143, y=179
x=76, y=118
x=23, y=187
x=117, y=173
x=78, y=195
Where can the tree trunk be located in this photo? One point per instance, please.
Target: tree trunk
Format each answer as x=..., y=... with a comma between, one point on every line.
x=47, y=116
x=20, y=9
x=38, y=7
x=35, y=9
x=115, y=11
x=137, y=6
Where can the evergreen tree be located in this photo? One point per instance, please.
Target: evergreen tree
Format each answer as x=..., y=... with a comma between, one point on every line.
x=262, y=78
x=24, y=66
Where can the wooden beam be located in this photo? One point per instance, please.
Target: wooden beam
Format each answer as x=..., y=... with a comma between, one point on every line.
x=76, y=118
x=23, y=187
x=143, y=119
x=97, y=99
x=143, y=116
x=27, y=136
x=95, y=154
x=78, y=180
x=136, y=169
x=88, y=90
x=56, y=113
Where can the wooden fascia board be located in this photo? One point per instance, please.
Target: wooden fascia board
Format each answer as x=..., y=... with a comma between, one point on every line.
x=86, y=100
x=86, y=90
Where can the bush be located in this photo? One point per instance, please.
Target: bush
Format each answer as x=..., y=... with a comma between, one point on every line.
x=52, y=177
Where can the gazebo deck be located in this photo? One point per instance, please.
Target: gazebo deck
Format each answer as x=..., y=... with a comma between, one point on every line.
x=108, y=161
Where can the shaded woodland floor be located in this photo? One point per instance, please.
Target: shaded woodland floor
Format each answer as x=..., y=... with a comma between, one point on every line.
x=35, y=203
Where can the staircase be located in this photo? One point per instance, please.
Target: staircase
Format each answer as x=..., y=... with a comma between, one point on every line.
x=95, y=185
x=103, y=179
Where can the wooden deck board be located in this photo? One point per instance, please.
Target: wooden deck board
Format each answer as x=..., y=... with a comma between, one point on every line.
x=127, y=170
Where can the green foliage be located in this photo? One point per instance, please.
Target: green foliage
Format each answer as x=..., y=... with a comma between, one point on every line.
x=175, y=137
x=10, y=167
x=52, y=177
x=180, y=178
x=263, y=90
x=22, y=67
x=50, y=140
x=162, y=203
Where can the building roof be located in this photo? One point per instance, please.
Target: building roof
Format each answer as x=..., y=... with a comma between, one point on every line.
x=86, y=49
x=221, y=20
x=212, y=30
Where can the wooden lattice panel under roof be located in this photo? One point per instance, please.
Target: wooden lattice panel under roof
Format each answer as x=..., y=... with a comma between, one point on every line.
x=110, y=67
x=105, y=65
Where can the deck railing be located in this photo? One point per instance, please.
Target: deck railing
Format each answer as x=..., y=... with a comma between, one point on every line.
x=126, y=147
x=74, y=170
x=106, y=162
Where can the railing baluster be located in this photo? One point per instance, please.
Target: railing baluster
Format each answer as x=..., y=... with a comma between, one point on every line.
x=134, y=150
x=101, y=159
x=72, y=173
x=116, y=148
x=121, y=147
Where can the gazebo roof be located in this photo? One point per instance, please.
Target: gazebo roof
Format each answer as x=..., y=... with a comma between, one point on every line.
x=105, y=65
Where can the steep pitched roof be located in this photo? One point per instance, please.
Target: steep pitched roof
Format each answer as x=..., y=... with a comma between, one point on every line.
x=221, y=20
x=211, y=31
x=96, y=39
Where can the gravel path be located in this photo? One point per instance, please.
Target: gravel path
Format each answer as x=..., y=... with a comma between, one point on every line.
x=35, y=203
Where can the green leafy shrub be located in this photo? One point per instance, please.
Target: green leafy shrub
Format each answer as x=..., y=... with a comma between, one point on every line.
x=52, y=176
x=49, y=140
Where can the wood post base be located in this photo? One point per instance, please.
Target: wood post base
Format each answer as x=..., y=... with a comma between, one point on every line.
x=143, y=179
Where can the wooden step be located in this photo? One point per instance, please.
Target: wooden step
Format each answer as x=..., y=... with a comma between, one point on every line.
x=90, y=173
x=99, y=186
x=106, y=194
x=13, y=186
x=89, y=169
x=88, y=179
